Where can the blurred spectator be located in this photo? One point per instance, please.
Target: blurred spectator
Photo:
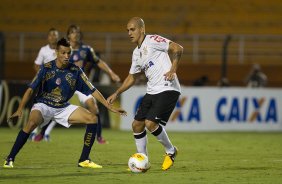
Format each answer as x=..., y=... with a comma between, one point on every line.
x=223, y=82
x=256, y=78
x=202, y=81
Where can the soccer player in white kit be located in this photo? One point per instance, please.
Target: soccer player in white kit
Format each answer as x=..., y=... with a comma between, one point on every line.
x=163, y=88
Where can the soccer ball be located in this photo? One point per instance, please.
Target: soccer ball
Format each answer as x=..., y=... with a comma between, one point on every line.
x=138, y=163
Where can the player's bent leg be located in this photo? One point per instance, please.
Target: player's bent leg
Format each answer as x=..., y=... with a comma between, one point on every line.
x=140, y=136
x=35, y=118
x=92, y=106
x=84, y=116
x=159, y=132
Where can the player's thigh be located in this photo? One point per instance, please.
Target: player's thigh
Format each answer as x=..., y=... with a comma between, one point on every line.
x=82, y=115
x=163, y=106
x=144, y=107
x=35, y=119
x=91, y=105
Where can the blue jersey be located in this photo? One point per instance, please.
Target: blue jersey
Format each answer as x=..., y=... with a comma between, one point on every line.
x=56, y=86
x=82, y=55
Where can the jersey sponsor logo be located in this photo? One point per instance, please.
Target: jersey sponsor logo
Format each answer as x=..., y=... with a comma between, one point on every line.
x=148, y=65
x=69, y=78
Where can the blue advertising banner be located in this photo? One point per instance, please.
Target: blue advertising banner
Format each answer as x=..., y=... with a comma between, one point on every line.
x=216, y=109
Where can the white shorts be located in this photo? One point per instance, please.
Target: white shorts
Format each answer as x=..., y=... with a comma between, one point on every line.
x=59, y=115
x=82, y=97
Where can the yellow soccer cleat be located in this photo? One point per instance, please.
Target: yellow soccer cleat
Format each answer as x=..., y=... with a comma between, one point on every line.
x=169, y=160
x=89, y=164
x=8, y=164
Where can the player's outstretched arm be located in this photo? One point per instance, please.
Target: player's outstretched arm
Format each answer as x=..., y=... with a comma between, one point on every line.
x=127, y=83
x=98, y=96
x=103, y=66
x=26, y=97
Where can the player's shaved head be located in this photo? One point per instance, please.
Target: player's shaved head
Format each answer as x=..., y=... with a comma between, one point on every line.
x=137, y=21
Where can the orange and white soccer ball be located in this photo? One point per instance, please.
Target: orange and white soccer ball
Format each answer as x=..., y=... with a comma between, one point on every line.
x=138, y=163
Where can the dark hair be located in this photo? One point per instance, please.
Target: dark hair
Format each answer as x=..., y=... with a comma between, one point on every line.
x=73, y=26
x=63, y=42
x=52, y=29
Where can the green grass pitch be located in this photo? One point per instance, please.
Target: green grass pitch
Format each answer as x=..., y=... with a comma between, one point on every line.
x=219, y=157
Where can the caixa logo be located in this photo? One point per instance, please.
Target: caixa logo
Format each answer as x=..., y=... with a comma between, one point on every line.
x=246, y=110
x=225, y=110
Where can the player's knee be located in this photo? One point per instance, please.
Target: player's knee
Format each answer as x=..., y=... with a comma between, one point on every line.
x=150, y=125
x=91, y=118
x=138, y=126
x=30, y=126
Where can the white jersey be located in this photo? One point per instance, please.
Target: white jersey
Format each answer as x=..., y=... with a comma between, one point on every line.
x=153, y=59
x=45, y=55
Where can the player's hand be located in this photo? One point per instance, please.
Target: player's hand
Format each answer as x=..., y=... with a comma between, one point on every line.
x=112, y=98
x=115, y=77
x=169, y=76
x=17, y=114
x=117, y=110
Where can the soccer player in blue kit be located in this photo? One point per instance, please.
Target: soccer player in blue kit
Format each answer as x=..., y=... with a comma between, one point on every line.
x=82, y=55
x=56, y=83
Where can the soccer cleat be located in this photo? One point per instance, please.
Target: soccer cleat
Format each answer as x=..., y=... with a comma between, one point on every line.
x=101, y=140
x=8, y=163
x=38, y=138
x=169, y=159
x=89, y=164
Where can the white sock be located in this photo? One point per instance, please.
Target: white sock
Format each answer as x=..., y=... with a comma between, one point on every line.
x=141, y=142
x=162, y=137
x=50, y=128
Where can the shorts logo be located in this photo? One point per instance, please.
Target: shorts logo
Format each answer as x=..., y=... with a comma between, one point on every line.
x=58, y=81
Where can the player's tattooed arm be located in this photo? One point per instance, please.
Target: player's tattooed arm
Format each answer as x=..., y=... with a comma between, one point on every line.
x=176, y=51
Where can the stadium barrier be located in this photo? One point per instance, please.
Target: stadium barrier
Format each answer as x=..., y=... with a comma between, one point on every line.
x=216, y=109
